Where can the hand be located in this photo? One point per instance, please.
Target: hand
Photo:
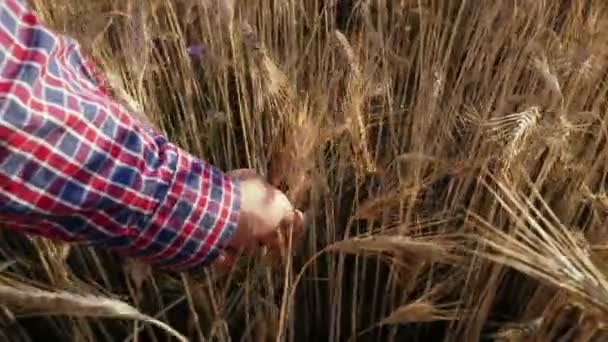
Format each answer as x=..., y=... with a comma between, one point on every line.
x=267, y=219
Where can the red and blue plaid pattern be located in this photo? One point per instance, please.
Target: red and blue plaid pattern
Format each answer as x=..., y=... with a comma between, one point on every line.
x=76, y=166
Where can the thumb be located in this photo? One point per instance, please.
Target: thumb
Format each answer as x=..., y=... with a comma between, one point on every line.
x=291, y=225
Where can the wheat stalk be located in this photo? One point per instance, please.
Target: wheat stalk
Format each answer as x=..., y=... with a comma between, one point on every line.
x=541, y=247
x=353, y=106
x=512, y=130
x=431, y=249
x=34, y=302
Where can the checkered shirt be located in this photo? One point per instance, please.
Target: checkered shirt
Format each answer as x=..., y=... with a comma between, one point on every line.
x=76, y=166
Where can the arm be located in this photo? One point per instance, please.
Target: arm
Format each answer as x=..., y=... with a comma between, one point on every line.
x=76, y=166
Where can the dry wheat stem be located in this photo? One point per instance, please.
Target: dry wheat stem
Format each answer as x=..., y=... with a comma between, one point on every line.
x=353, y=106
x=41, y=302
x=542, y=249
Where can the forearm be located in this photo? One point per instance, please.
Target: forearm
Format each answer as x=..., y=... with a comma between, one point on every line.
x=76, y=166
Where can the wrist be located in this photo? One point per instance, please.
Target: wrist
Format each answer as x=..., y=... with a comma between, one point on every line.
x=198, y=214
x=220, y=208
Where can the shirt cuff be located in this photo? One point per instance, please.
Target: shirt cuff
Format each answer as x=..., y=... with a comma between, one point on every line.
x=196, y=219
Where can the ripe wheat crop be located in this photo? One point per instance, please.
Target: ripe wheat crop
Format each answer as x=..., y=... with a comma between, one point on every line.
x=450, y=157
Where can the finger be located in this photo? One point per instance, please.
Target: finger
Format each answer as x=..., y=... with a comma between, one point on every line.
x=298, y=225
x=293, y=225
x=243, y=239
x=225, y=261
x=290, y=233
x=274, y=239
x=289, y=227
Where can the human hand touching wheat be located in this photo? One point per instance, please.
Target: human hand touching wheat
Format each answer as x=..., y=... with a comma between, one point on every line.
x=267, y=219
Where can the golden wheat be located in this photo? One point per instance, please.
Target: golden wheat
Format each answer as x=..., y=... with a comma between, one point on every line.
x=389, y=122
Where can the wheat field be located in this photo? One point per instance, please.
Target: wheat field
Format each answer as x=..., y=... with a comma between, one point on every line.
x=450, y=157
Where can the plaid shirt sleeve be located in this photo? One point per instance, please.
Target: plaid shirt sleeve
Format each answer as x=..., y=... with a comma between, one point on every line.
x=76, y=166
